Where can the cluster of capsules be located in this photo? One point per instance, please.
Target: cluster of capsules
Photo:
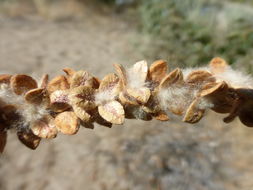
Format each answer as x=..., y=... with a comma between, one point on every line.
x=37, y=110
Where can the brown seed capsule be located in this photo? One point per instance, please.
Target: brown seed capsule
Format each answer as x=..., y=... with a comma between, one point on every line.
x=194, y=113
x=121, y=73
x=112, y=112
x=20, y=84
x=35, y=96
x=242, y=107
x=141, y=95
x=29, y=139
x=3, y=140
x=174, y=77
x=83, y=97
x=5, y=78
x=67, y=123
x=158, y=70
x=199, y=76
x=82, y=78
x=58, y=83
x=110, y=84
x=81, y=114
x=59, y=100
x=213, y=88
x=220, y=95
x=44, y=128
x=140, y=70
x=218, y=65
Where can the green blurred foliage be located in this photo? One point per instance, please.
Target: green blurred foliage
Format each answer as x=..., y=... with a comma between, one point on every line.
x=107, y=1
x=191, y=32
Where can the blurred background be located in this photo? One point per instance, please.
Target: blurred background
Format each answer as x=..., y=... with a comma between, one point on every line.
x=44, y=36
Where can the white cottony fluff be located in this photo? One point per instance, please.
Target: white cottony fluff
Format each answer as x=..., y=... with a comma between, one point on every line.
x=28, y=112
x=234, y=78
x=136, y=75
x=104, y=97
x=176, y=97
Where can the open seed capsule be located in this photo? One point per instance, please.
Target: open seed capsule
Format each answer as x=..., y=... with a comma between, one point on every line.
x=218, y=65
x=121, y=73
x=83, y=97
x=29, y=139
x=112, y=112
x=194, y=113
x=199, y=76
x=67, y=123
x=44, y=128
x=35, y=96
x=158, y=71
x=83, y=78
x=58, y=83
x=5, y=78
x=20, y=84
x=174, y=77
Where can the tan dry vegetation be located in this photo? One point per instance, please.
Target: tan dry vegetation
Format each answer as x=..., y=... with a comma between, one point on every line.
x=139, y=155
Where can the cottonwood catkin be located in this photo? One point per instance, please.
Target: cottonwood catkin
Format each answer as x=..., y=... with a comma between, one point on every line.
x=39, y=110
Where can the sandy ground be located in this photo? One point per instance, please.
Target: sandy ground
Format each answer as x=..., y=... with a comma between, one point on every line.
x=137, y=156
